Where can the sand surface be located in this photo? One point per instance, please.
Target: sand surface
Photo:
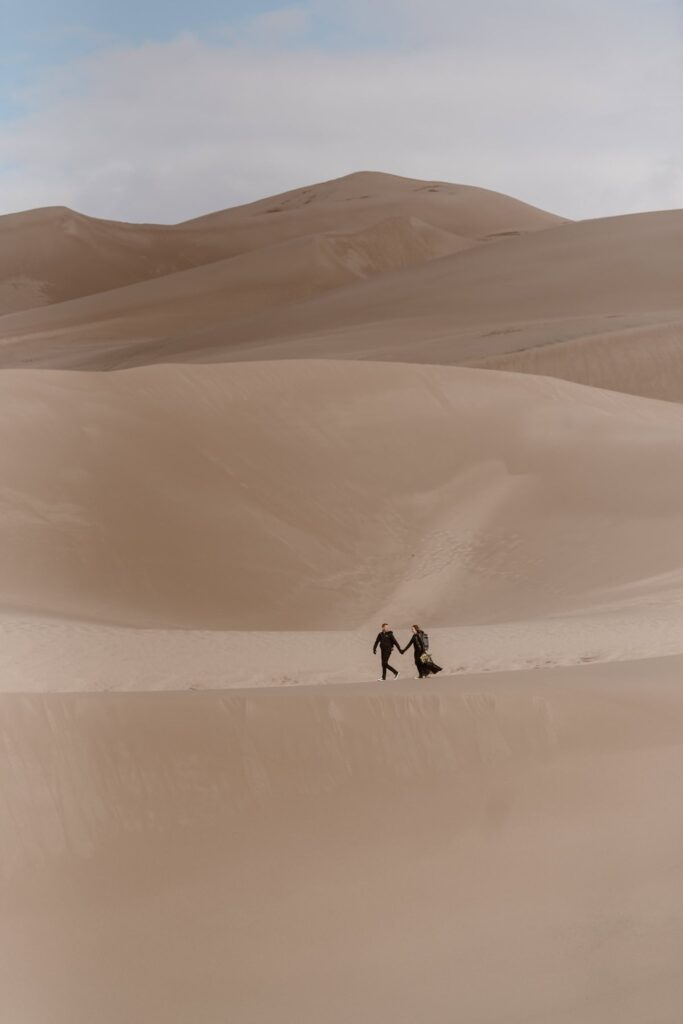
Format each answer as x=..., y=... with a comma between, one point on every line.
x=645, y=360
x=308, y=495
x=101, y=328
x=55, y=254
x=331, y=408
x=403, y=282
x=495, y=849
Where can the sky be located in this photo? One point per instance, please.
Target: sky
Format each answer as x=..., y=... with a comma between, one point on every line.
x=161, y=110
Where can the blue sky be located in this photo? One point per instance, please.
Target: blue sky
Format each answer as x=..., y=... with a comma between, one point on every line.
x=164, y=110
x=36, y=35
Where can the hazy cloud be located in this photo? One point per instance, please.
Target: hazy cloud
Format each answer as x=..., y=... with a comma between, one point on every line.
x=285, y=23
x=574, y=107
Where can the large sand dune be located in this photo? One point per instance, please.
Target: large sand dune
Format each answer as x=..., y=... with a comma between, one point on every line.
x=102, y=329
x=362, y=198
x=307, y=495
x=366, y=267
x=498, y=848
x=537, y=302
x=502, y=849
x=569, y=281
x=55, y=254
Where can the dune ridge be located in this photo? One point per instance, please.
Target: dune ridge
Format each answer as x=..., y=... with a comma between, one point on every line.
x=369, y=266
x=56, y=254
x=591, y=270
x=250, y=282
x=395, y=292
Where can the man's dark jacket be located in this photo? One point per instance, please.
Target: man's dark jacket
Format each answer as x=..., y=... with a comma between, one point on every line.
x=386, y=641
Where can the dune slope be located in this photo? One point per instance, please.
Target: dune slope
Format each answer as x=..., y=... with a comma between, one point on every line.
x=570, y=280
x=358, y=199
x=108, y=325
x=540, y=301
x=495, y=849
x=307, y=495
x=55, y=254
x=366, y=267
x=644, y=360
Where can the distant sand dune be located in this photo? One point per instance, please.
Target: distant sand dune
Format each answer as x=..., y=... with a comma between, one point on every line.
x=398, y=291
x=97, y=328
x=603, y=270
x=361, y=199
x=55, y=254
x=644, y=360
x=366, y=267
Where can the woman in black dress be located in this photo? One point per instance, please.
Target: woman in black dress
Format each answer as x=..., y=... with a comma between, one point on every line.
x=420, y=644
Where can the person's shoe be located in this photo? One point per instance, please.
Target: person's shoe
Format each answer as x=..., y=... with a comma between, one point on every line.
x=397, y=675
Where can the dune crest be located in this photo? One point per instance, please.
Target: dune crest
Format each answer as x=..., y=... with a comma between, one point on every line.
x=477, y=303
x=55, y=254
x=397, y=290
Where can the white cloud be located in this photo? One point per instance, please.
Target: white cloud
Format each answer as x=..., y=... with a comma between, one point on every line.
x=282, y=24
x=576, y=112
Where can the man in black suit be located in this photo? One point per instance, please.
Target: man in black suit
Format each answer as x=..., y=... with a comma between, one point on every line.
x=386, y=641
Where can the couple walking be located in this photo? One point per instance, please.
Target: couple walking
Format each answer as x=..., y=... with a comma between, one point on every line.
x=419, y=641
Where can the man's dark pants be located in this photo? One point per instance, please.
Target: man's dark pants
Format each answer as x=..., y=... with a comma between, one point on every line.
x=385, y=664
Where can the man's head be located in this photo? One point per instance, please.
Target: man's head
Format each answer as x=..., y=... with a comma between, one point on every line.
x=385, y=627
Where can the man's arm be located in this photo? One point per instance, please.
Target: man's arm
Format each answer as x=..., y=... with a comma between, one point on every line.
x=374, y=649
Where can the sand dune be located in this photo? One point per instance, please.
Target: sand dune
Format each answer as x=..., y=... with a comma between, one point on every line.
x=336, y=296
x=309, y=496
x=358, y=198
x=108, y=325
x=646, y=360
x=54, y=654
x=475, y=304
x=499, y=849
x=55, y=254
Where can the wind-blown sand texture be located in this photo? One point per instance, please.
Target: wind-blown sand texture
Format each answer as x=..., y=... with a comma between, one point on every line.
x=498, y=849
x=331, y=408
x=368, y=267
